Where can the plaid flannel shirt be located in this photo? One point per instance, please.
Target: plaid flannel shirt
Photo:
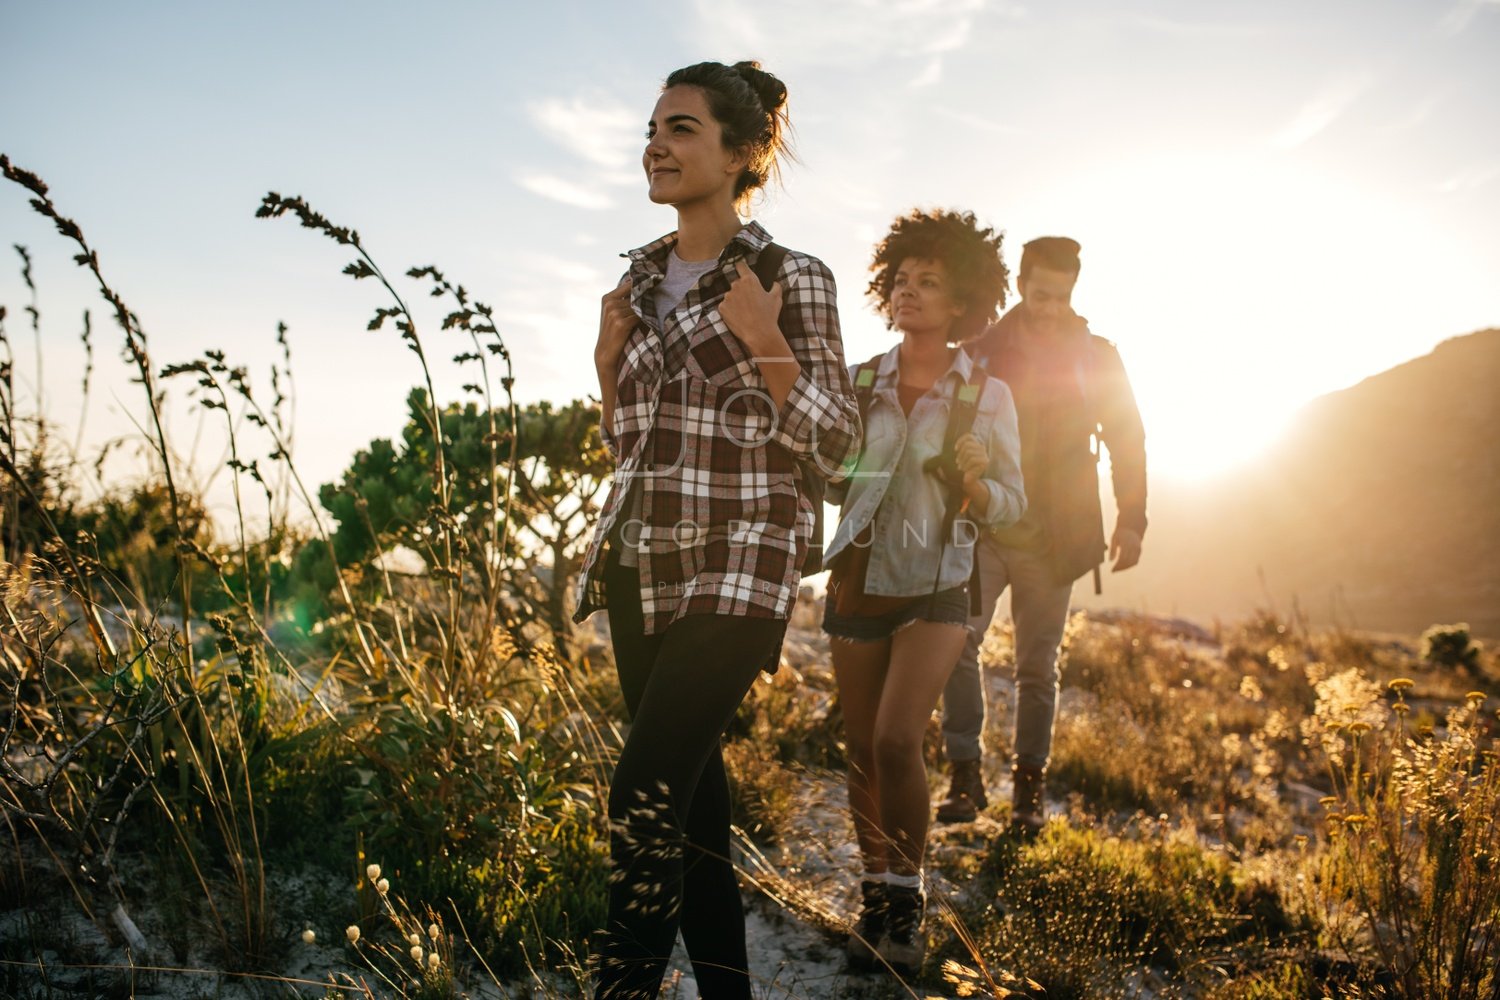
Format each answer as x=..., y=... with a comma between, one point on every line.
x=724, y=520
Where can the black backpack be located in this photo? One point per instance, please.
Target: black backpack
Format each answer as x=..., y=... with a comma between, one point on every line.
x=814, y=486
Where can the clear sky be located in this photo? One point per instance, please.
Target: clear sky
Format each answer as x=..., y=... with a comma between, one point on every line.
x=1275, y=199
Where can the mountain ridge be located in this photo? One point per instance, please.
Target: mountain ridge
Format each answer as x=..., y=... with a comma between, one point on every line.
x=1378, y=508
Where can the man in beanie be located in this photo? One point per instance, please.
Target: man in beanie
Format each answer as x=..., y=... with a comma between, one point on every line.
x=1071, y=393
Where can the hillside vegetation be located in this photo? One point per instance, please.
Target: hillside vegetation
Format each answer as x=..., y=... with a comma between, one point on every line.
x=240, y=762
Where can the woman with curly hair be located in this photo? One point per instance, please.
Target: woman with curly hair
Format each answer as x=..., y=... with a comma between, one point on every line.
x=724, y=404
x=941, y=457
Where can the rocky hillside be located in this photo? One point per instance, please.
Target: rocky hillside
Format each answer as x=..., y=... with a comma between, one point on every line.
x=1380, y=509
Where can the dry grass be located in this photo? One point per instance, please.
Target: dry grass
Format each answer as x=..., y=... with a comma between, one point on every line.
x=1256, y=813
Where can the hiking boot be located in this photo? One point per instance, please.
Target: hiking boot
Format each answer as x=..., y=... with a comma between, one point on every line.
x=904, y=945
x=965, y=793
x=1027, y=815
x=870, y=927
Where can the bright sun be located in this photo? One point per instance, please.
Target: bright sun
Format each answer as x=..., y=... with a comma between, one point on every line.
x=1231, y=287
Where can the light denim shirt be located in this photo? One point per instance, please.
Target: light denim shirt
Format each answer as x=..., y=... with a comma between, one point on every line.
x=907, y=505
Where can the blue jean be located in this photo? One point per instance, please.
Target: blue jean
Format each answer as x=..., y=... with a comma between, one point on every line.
x=1039, y=607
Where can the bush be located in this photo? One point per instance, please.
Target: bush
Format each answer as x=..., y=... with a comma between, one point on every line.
x=1082, y=912
x=1451, y=647
x=1408, y=878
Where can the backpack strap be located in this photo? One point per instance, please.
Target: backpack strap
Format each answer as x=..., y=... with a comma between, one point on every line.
x=960, y=422
x=768, y=264
x=1085, y=368
x=864, y=385
x=965, y=407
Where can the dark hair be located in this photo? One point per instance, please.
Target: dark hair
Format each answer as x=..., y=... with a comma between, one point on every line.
x=750, y=106
x=972, y=256
x=1056, y=253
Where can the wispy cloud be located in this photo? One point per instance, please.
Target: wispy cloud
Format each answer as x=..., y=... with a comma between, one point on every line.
x=551, y=303
x=838, y=32
x=980, y=122
x=1416, y=116
x=597, y=128
x=1322, y=110
x=1198, y=29
x=561, y=269
x=565, y=191
x=1460, y=14
x=930, y=74
x=1470, y=178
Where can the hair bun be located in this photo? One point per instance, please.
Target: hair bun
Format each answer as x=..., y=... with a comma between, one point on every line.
x=770, y=90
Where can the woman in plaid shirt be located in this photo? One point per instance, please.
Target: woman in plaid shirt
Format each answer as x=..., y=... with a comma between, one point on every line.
x=720, y=400
x=942, y=459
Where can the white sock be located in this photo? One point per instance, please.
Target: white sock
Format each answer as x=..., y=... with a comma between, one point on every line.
x=904, y=881
x=875, y=876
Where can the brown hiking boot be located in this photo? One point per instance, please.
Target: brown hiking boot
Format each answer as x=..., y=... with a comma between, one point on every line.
x=1027, y=815
x=965, y=793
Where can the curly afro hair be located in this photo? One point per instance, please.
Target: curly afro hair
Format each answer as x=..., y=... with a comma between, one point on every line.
x=971, y=254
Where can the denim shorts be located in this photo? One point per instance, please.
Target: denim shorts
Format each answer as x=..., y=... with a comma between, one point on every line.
x=946, y=607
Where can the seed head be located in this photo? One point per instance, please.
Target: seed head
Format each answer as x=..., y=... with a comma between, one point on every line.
x=433, y=961
x=383, y=886
x=373, y=873
x=416, y=953
x=308, y=937
x=414, y=939
x=432, y=931
x=352, y=933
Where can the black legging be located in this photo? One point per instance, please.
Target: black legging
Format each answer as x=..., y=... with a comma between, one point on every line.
x=681, y=687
